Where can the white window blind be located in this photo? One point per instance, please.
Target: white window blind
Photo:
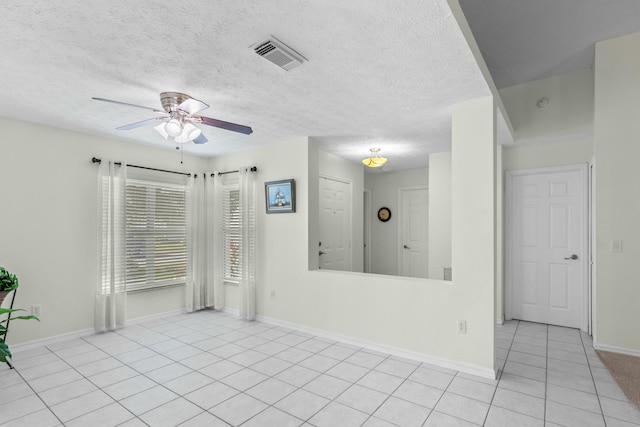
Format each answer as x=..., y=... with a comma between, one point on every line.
x=156, y=234
x=231, y=229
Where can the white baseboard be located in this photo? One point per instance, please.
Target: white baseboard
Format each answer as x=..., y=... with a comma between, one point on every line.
x=445, y=363
x=28, y=345
x=408, y=354
x=157, y=316
x=614, y=349
x=233, y=311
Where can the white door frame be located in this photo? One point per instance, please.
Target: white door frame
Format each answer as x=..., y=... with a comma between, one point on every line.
x=367, y=230
x=399, y=243
x=592, y=254
x=583, y=168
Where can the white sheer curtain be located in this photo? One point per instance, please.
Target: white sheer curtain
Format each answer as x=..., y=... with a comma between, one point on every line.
x=196, y=286
x=216, y=268
x=248, y=243
x=111, y=292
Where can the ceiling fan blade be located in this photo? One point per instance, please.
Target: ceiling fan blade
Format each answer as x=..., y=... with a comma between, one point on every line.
x=160, y=129
x=225, y=125
x=139, y=124
x=192, y=106
x=127, y=104
x=200, y=139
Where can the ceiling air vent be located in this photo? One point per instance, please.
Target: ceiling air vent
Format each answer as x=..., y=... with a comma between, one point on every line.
x=278, y=53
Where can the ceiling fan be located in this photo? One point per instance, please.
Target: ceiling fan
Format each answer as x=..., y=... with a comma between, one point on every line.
x=178, y=119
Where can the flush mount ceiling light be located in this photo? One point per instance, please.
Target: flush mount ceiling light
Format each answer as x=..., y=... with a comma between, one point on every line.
x=374, y=160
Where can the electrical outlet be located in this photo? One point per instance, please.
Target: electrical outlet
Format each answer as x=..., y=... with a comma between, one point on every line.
x=616, y=246
x=462, y=326
x=36, y=310
x=273, y=294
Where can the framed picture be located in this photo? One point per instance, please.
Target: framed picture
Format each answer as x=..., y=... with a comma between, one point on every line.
x=280, y=196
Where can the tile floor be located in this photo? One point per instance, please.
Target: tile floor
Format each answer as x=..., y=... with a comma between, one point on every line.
x=211, y=369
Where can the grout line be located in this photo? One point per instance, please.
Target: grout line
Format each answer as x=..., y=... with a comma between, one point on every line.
x=226, y=324
x=501, y=372
x=243, y=366
x=324, y=373
x=38, y=396
x=388, y=357
x=595, y=387
x=86, y=378
x=389, y=395
x=546, y=379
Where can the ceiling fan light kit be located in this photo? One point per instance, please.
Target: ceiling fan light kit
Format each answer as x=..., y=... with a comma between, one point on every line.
x=179, y=119
x=374, y=160
x=189, y=133
x=173, y=127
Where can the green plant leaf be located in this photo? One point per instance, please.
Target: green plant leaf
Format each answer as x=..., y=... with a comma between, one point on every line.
x=25, y=318
x=8, y=281
x=10, y=310
x=5, y=353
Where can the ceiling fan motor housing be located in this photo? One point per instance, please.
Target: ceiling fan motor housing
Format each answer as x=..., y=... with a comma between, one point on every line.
x=171, y=100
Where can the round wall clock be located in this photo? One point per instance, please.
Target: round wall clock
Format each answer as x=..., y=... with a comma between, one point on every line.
x=384, y=214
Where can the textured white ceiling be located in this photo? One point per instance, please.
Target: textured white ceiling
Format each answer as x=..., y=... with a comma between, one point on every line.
x=526, y=40
x=379, y=73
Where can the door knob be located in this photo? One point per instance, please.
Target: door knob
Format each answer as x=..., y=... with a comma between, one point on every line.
x=321, y=253
x=573, y=257
x=406, y=247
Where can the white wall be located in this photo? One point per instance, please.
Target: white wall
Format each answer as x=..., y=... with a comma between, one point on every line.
x=416, y=316
x=439, y=214
x=332, y=166
x=569, y=152
x=617, y=205
x=55, y=208
x=282, y=240
x=384, y=235
x=559, y=134
x=499, y=312
x=473, y=187
x=569, y=113
x=48, y=224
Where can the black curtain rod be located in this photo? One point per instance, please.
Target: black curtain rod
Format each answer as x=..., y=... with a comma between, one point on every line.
x=252, y=169
x=96, y=160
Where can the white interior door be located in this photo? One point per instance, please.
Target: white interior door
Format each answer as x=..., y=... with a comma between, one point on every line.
x=414, y=228
x=547, y=246
x=335, y=225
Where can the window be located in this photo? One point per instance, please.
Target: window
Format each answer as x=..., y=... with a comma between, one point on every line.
x=231, y=236
x=155, y=234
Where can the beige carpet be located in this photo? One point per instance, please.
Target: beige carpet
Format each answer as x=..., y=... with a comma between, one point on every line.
x=626, y=371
